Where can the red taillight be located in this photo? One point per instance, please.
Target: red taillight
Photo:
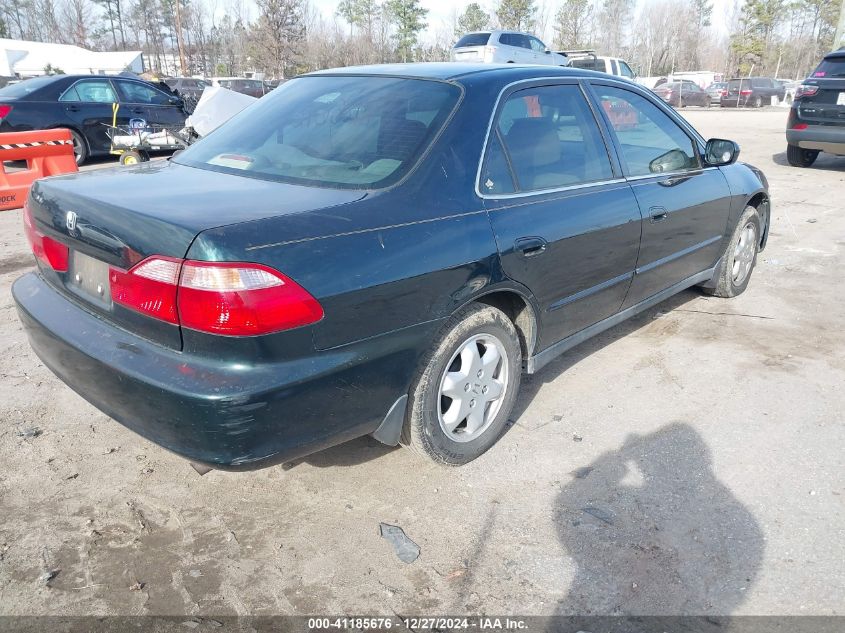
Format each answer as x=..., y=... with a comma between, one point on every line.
x=4, y=110
x=745, y=92
x=230, y=298
x=149, y=288
x=800, y=126
x=805, y=91
x=47, y=250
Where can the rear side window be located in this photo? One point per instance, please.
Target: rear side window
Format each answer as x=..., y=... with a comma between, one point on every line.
x=473, y=39
x=651, y=142
x=550, y=139
x=341, y=131
x=831, y=67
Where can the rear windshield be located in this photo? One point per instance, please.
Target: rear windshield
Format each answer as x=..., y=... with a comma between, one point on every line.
x=346, y=132
x=473, y=39
x=26, y=87
x=589, y=63
x=831, y=67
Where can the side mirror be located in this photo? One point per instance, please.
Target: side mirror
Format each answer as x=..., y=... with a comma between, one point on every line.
x=174, y=100
x=548, y=51
x=720, y=152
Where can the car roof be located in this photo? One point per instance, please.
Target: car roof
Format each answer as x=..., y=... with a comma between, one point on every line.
x=836, y=54
x=448, y=71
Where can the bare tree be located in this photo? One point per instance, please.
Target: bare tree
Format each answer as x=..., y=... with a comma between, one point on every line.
x=278, y=34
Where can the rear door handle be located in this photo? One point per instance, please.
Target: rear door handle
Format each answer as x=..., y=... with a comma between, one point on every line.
x=530, y=246
x=658, y=214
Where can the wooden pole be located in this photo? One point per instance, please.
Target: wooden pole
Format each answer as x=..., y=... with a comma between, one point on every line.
x=182, y=65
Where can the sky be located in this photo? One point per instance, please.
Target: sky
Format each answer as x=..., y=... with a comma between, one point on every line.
x=440, y=13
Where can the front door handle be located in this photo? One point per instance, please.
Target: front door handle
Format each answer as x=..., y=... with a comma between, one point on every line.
x=658, y=214
x=530, y=246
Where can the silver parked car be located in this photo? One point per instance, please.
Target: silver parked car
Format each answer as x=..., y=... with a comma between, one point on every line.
x=505, y=47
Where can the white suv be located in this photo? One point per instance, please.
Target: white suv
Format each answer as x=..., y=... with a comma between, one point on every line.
x=505, y=47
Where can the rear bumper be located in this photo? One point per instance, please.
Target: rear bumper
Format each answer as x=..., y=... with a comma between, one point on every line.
x=826, y=138
x=211, y=411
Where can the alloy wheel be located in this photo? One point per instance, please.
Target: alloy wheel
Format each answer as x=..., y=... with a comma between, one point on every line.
x=744, y=252
x=473, y=387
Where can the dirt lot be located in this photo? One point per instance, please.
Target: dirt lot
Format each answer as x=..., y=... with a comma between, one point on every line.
x=689, y=461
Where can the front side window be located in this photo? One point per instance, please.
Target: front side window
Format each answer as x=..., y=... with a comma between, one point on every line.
x=550, y=140
x=132, y=92
x=335, y=131
x=650, y=141
x=536, y=45
x=90, y=91
x=625, y=70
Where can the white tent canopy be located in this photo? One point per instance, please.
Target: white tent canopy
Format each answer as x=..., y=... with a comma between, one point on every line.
x=28, y=59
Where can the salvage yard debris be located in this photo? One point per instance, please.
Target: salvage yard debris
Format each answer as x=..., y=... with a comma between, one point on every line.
x=405, y=548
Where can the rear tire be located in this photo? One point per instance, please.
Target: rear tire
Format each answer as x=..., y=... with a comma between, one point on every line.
x=758, y=101
x=80, y=147
x=800, y=157
x=478, y=359
x=740, y=256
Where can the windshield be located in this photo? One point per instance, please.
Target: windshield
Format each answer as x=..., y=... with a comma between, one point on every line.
x=26, y=87
x=831, y=67
x=473, y=39
x=349, y=131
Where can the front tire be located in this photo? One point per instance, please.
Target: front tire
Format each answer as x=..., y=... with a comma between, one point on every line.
x=466, y=387
x=800, y=157
x=740, y=256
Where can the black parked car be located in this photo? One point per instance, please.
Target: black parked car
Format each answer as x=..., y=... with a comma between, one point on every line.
x=189, y=89
x=754, y=92
x=817, y=118
x=380, y=250
x=682, y=93
x=83, y=104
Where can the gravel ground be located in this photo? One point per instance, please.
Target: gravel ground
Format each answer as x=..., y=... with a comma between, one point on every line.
x=688, y=461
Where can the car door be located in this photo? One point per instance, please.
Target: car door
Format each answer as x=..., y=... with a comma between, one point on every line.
x=538, y=51
x=154, y=106
x=566, y=223
x=88, y=106
x=684, y=205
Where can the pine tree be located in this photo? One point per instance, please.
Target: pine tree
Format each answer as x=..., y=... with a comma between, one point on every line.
x=516, y=15
x=474, y=18
x=409, y=17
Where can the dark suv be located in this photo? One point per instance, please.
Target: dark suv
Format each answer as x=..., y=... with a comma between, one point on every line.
x=752, y=92
x=817, y=118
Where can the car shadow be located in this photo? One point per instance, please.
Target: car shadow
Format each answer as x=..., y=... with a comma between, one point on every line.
x=367, y=448
x=651, y=530
x=825, y=162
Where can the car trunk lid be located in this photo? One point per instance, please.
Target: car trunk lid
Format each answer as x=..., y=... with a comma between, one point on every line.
x=119, y=217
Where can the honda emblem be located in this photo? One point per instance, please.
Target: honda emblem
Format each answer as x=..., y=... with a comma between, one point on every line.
x=70, y=221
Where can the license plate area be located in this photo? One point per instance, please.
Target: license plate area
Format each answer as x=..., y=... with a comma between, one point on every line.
x=89, y=278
